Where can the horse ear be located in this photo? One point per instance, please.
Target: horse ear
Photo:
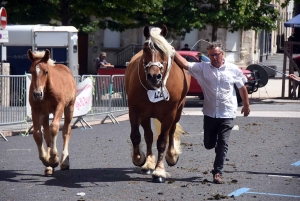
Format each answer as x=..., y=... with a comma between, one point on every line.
x=146, y=31
x=47, y=55
x=29, y=54
x=164, y=31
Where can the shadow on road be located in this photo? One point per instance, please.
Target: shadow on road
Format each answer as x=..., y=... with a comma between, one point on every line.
x=80, y=178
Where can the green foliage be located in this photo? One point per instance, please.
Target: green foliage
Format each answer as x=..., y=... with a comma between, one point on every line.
x=180, y=16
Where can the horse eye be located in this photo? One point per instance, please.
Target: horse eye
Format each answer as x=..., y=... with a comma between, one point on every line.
x=46, y=72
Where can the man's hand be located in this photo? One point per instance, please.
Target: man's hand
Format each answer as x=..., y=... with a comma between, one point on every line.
x=294, y=77
x=245, y=110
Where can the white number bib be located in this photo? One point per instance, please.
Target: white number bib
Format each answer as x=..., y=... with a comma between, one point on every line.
x=156, y=95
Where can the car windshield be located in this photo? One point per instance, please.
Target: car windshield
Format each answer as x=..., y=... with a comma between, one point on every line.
x=202, y=57
x=205, y=58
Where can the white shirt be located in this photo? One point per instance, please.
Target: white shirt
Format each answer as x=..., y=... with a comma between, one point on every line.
x=218, y=87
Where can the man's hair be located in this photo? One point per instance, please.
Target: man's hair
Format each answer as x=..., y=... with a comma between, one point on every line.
x=214, y=45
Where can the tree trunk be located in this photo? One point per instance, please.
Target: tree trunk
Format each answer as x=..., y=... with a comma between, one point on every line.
x=65, y=13
x=214, y=35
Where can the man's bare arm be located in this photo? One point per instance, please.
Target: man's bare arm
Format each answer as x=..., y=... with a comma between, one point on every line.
x=181, y=62
x=244, y=95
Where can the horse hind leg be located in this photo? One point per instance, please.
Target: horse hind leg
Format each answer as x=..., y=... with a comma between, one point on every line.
x=174, y=149
x=149, y=165
x=66, y=134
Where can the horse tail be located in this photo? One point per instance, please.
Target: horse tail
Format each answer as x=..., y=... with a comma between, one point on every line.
x=179, y=130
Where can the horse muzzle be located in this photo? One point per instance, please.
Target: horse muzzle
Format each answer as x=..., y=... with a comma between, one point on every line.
x=154, y=79
x=154, y=72
x=38, y=95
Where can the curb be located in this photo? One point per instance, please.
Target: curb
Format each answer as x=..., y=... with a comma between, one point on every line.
x=15, y=132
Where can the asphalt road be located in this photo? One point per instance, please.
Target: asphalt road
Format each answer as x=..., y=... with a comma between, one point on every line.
x=263, y=164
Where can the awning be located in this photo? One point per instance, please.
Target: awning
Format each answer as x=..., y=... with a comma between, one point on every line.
x=294, y=22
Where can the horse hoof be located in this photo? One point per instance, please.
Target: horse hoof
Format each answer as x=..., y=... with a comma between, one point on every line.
x=156, y=179
x=48, y=171
x=64, y=167
x=145, y=171
x=174, y=163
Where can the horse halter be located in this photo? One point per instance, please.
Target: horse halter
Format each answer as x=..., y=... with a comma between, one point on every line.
x=153, y=62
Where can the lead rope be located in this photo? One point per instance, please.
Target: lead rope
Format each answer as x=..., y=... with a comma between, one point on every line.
x=139, y=75
x=166, y=78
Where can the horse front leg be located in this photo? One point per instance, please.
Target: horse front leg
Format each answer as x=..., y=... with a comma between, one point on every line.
x=149, y=165
x=53, y=132
x=138, y=156
x=66, y=134
x=38, y=138
x=49, y=167
x=159, y=175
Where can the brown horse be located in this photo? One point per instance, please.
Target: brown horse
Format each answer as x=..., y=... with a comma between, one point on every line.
x=52, y=91
x=156, y=88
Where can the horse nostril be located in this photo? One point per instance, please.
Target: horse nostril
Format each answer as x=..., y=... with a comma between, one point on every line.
x=149, y=76
x=38, y=95
x=159, y=76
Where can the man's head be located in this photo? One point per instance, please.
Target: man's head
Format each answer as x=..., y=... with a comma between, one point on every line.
x=186, y=45
x=215, y=53
x=103, y=54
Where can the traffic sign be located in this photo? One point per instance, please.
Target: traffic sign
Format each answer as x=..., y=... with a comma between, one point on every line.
x=3, y=18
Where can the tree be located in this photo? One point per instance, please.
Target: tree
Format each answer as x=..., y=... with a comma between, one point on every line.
x=114, y=14
x=230, y=14
x=179, y=16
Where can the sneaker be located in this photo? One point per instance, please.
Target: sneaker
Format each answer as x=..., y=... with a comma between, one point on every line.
x=218, y=179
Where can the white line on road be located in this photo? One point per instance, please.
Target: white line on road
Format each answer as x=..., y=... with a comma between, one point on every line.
x=280, y=176
x=282, y=114
x=19, y=150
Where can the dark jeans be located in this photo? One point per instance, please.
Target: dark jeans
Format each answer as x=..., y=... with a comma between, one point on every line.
x=216, y=135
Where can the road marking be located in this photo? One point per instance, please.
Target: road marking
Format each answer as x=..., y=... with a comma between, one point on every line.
x=282, y=114
x=239, y=192
x=271, y=175
x=246, y=190
x=19, y=150
x=236, y=128
x=296, y=163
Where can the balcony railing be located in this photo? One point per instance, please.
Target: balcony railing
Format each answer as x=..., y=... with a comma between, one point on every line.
x=125, y=54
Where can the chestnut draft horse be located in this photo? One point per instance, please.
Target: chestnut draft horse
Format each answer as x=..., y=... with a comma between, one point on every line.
x=156, y=88
x=52, y=91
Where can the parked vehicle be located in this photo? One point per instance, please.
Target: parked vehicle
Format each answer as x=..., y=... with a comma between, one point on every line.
x=297, y=60
x=195, y=89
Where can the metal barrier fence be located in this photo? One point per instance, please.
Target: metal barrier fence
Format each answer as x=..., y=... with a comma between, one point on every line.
x=109, y=97
x=12, y=99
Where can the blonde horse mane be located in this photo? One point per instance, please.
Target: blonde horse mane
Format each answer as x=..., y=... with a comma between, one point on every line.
x=40, y=55
x=161, y=42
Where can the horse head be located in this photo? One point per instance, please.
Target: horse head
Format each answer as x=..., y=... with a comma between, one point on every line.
x=39, y=70
x=156, y=51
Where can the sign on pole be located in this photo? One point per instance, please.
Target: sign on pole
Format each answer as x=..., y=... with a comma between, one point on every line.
x=3, y=18
x=3, y=36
